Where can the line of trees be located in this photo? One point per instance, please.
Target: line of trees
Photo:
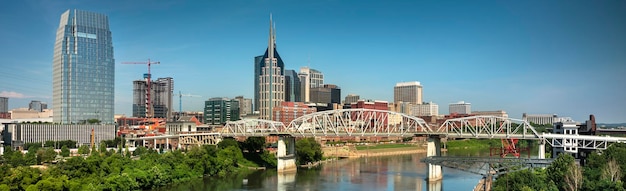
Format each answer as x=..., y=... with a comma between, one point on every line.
x=102, y=169
x=116, y=170
x=604, y=170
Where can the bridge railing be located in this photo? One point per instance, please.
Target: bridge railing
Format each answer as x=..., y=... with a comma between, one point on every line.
x=357, y=122
x=488, y=127
x=252, y=127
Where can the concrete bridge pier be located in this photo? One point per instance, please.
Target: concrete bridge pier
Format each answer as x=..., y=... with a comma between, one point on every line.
x=434, y=149
x=286, y=154
x=435, y=185
x=542, y=149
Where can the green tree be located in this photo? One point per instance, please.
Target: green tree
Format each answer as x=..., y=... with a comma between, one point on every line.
x=49, y=144
x=31, y=157
x=252, y=144
x=93, y=121
x=308, y=150
x=83, y=150
x=140, y=151
x=227, y=142
x=33, y=146
x=558, y=170
x=65, y=152
x=45, y=155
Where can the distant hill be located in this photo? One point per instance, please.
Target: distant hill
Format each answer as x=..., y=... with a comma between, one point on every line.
x=611, y=125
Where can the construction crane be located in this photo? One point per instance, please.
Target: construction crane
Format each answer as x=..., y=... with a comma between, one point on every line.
x=180, y=100
x=147, y=77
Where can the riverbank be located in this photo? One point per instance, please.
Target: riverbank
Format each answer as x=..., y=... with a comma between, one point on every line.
x=350, y=151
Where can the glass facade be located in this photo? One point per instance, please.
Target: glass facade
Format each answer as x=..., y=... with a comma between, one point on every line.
x=292, y=86
x=83, y=69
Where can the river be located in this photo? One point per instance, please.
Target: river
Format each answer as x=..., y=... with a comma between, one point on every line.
x=401, y=172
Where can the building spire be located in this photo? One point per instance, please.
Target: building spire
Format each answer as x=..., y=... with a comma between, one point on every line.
x=271, y=40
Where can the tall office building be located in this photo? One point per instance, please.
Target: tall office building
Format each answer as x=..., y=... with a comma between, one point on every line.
x=425, y=109
x=35, y=105
x=245, y=105
x=4, y=104
x=218, y=111
x=410, y=92
x=460, y=108
x=327, y=93
x=271, y=79
x=310, y=78
x=83, y=69
x=162, y=98
x=292, y=86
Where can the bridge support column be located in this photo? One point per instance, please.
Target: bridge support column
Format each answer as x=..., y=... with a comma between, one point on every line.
x=167, y=144
x=155, y=144
x=144, y=142
x=286, y=154
x=434, y=149
x=542, y=149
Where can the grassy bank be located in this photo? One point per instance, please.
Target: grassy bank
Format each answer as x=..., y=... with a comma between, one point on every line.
x=473, y=144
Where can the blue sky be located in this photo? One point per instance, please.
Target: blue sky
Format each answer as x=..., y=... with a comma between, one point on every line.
x=561, y=57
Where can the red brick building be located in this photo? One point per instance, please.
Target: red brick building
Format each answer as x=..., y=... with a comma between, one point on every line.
x=376, y=105
x=288, y=111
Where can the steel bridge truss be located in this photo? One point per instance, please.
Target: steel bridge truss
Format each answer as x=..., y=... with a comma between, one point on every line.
x=200, y=139
x=488, y=127
x=487, y=166
x=358, y=122
x=581, y=141
x=252, y=127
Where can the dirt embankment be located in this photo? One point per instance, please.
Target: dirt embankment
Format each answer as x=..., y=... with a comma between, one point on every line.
x=351, y=152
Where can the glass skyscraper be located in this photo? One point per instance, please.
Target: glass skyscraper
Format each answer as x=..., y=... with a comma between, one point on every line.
x=83, y=69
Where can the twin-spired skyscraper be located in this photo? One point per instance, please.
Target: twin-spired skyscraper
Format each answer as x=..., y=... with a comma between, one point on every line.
x=269, y=85
x=83, y=69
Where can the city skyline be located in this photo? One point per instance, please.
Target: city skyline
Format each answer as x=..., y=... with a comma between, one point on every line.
x=560, y=57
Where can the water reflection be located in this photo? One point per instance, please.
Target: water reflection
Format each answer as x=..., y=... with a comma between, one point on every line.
x=404, y=172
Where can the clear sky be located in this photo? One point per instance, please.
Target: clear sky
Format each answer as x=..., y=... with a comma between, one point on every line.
x=554, y=57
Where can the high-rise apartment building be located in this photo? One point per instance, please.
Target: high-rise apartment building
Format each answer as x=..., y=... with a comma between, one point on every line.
x=162, y=98
x=271, y=79
x=292, y=86
x=245, y=105
x=4, y=104
x=409, y=92
x=4, y=108
x=310, y=78
x=83, y=69
x=460, y=108
x=217, y=111
x=36, y=105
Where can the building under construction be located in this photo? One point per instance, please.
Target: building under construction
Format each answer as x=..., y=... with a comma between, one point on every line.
x=162, y=91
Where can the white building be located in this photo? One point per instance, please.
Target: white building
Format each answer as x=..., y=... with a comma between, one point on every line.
x=540, y=119
x=460, y=108
x=351, y=98
x=309, y=78
x=425, y=109
x=499, y=113
x=570, y=146
x=185, y=124
x=409, y=92
x=22, y=133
